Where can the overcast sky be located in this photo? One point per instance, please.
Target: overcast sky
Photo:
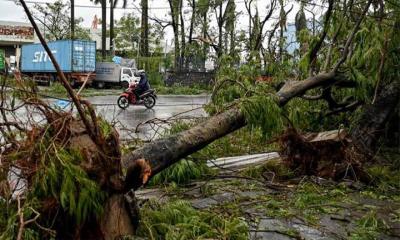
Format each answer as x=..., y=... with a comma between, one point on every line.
x=159, y=8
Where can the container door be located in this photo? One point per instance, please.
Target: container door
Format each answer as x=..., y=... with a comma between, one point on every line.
x=78, y=60
x=90, y=56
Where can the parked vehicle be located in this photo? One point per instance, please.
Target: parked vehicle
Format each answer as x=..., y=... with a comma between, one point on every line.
x=2, y=61
x=77, y=59
x=112, y=73
x=128, y=97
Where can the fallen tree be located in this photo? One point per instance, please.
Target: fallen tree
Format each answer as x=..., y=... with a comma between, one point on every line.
x=174, y=148
x=162, y=153
x=73, y=166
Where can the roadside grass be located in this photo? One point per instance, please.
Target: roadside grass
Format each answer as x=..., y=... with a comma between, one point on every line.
x=181, y=173
x=182, y=90
x=370, y=226
x=57, y=90
x=179, y=220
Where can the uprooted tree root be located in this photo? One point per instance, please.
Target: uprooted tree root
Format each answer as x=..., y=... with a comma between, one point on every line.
x=328, y=156
x=68, y=177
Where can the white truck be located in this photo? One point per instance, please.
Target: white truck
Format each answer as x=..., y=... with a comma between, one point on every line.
x=114, y=74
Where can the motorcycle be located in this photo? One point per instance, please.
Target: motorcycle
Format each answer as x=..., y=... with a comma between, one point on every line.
x=148, y=98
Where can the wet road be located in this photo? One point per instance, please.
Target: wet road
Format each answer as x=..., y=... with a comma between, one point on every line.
x=167, y=106
x=129, y=122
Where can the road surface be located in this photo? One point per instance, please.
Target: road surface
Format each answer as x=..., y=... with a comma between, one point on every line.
x=167, y=106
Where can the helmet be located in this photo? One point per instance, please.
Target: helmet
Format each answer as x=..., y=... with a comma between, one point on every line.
x=141, y=72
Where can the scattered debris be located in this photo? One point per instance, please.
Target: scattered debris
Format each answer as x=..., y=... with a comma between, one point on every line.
x=241, y=162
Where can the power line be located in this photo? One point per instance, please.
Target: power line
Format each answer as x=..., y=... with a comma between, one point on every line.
x=118, y=8
x=136, y=8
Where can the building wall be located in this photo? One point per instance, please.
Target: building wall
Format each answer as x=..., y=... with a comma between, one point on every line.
x=95, y=35
x=12, y=36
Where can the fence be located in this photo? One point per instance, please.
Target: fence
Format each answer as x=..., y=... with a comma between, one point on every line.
x=189, y=78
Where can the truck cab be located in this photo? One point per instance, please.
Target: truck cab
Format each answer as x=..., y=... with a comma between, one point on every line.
x=129, y=75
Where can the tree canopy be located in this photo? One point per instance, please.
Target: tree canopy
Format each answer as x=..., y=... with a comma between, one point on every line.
x=56, y=21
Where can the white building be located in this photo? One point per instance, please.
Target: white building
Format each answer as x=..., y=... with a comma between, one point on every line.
x=95, y=35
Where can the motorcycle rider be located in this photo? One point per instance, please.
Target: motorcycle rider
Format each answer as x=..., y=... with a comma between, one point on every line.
x=143, y=84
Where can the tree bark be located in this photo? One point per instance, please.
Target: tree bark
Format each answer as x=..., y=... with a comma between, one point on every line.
x=372, y=121
x=164, y=152
x=175, y=26
x=194, y=9
x=183, y=38
x=220, y=36
x=204, y=34
x=72, y=19
x=144, y=30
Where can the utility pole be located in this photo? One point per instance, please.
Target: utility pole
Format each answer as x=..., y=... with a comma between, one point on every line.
x=72, y=19
x=103, y=28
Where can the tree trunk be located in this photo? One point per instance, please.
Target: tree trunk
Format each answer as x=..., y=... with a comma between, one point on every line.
x=282, y=24
x=192, y=21
x=204, y=33
x=175, y=27
x=144, y=30
x=72, y=19
x=372, y=121
x=183, y=39
x=164, y=152
x=220, y=36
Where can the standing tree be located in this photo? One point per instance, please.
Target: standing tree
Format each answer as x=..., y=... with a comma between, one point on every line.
x=103, y=26
x=175, y=8
x=203, y=8
x=127, y=31
x=113, y=4
x=230, y=28
x=301, y=26
x=257, y=33
x=56, y=21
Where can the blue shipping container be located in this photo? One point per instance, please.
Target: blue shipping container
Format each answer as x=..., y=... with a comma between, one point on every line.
x=71, y=55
